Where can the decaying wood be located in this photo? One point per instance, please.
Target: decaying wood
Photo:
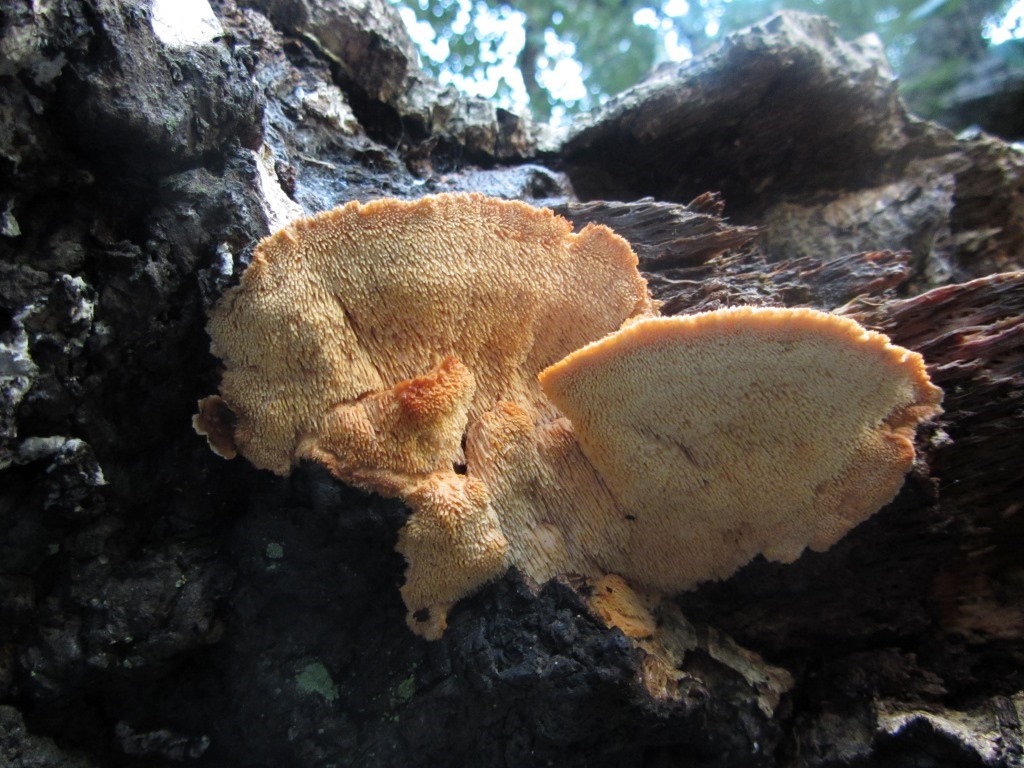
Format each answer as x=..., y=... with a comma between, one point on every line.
x=664, y=235
x=973, y=336
x=159, y=606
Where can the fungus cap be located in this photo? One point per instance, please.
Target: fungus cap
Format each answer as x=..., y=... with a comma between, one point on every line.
x=741, y=431
x=509, y=380
x=358, y=299
x=372, y=337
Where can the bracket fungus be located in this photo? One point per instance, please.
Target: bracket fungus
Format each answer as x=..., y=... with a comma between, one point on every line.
x=513, y=383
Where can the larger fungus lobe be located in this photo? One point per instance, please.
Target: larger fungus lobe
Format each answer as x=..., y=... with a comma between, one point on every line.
x=404, y=346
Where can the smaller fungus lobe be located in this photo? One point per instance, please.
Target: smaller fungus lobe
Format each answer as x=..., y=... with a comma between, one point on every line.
x=512, y=382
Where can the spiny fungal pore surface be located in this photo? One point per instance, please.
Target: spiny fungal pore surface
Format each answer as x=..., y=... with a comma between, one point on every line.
x=512, y=382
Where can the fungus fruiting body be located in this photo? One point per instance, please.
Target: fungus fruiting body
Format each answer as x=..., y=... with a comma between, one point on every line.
x=512, y=382
x=765, y=430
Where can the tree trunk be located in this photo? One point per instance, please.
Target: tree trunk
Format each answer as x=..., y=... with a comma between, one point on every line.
x=161, y=606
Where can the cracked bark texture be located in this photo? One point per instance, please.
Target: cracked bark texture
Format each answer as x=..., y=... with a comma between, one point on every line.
x=159, y=606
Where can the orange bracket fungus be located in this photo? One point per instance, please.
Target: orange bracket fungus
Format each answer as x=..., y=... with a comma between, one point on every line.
x=512, y=382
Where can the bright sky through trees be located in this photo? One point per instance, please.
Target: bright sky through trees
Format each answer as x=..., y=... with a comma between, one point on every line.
x=557, y=57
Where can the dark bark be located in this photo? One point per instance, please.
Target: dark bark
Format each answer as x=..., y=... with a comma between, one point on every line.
x=160, y=606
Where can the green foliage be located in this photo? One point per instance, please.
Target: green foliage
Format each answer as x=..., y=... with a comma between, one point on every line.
x=600, y=35
x=889, y=18
x=615, y=52
x=614, y=43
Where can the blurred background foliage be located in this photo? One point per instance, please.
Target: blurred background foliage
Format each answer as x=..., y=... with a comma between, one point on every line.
x=560, y=57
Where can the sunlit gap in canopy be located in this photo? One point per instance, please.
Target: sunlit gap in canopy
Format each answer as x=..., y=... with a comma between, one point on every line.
x=501, y=34
x=1006, y=26
x=674, y=47
x=479, y=46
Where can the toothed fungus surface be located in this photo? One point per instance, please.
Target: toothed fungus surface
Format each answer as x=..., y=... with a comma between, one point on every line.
x=404, y=346
x=770, y=429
